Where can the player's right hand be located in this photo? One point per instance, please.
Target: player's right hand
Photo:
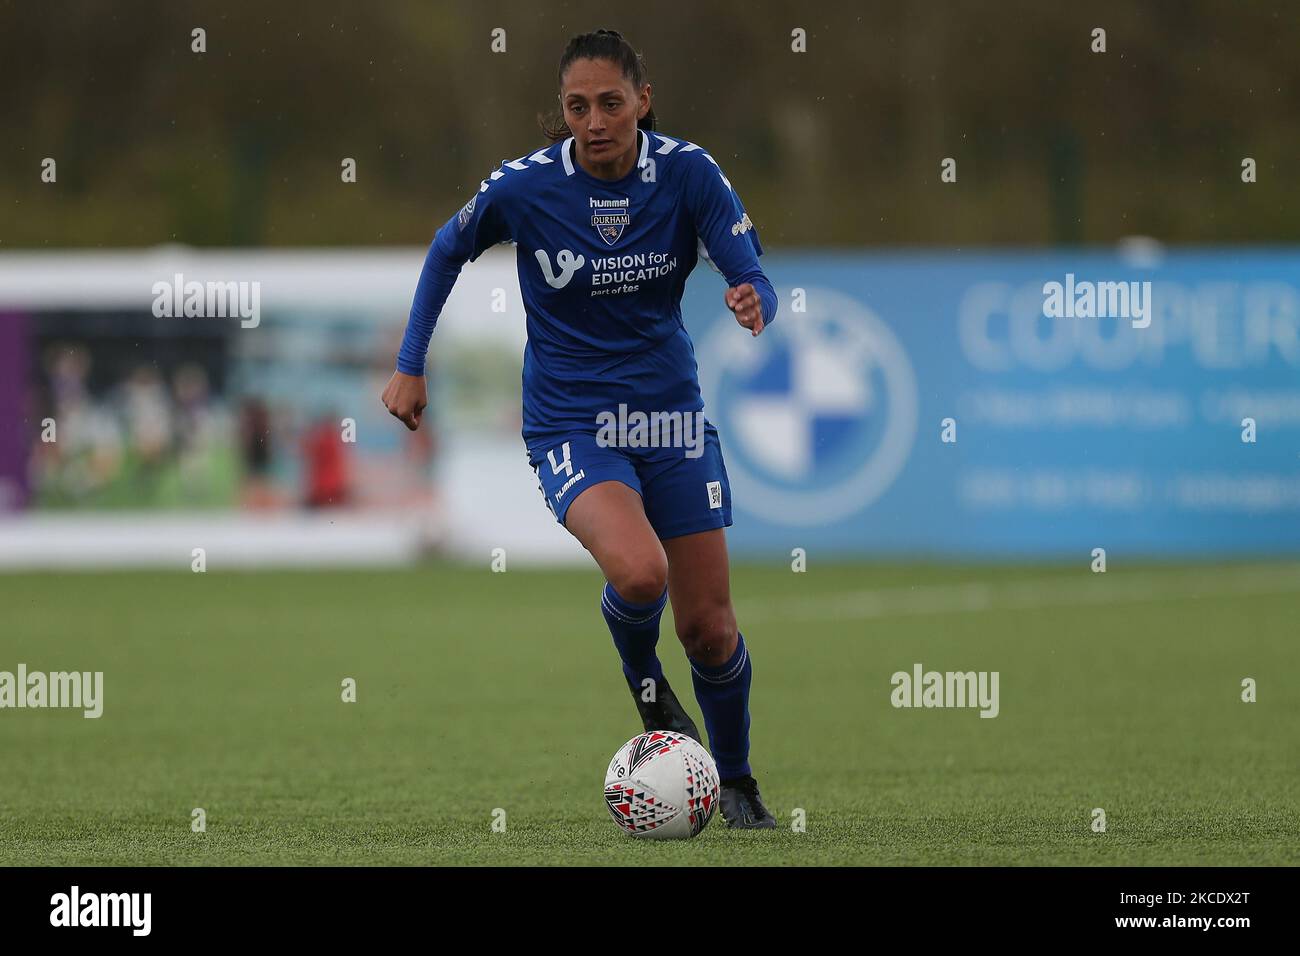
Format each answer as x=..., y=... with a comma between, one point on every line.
x=405, y=397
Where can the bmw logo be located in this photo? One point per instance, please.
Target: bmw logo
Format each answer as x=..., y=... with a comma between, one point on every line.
x=818, y=414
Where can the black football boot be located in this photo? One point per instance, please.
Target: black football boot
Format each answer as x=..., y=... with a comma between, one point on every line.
x=742, y=805
x=665, y=712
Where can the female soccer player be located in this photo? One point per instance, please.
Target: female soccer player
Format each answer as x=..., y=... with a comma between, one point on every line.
x=608, y=222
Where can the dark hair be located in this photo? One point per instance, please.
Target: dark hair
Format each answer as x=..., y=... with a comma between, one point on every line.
x=600, y=45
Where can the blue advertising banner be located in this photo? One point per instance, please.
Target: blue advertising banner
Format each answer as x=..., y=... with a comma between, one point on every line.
x=1012, y=404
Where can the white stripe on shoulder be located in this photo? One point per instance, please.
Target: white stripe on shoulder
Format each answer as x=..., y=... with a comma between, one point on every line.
x=667, y=145
x=718, y=168
x=564, y=154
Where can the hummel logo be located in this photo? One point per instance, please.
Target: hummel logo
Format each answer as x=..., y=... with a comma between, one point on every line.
x=466, y=213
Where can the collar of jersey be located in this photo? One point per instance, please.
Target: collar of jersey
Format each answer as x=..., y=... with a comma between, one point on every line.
x=571, y=165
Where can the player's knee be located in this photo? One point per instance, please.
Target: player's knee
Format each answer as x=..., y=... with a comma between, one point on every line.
x=709, y=636
x=642, y=581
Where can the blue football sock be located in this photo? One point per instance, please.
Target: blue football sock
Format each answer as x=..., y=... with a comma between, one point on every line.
x=635, y=628
x=723, y=693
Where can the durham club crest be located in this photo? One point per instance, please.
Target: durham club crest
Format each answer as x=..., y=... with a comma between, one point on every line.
x=609, y=217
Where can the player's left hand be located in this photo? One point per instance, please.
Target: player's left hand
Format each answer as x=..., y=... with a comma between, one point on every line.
x=744, y=302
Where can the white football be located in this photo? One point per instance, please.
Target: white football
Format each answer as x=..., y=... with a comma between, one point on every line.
x=662, y=785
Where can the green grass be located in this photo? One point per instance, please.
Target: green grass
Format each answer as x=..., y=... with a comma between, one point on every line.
x=480, y=690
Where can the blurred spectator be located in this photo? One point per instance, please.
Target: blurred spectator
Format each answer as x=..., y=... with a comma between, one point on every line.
x=255, y=449
x=147, y=411
x=325, y=464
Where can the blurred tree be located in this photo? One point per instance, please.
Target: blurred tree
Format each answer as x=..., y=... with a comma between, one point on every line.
x=839, y=145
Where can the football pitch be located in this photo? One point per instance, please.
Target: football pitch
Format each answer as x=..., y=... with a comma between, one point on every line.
x=484, y=697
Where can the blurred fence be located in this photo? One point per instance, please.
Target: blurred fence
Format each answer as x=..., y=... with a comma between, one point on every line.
x=902, y=404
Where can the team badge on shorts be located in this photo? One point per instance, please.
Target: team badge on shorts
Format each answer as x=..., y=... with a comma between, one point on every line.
x=715, y=494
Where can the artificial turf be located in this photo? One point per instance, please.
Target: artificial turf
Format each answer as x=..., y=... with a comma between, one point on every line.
x=479, y=691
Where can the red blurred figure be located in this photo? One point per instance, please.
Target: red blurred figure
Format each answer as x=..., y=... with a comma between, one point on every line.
x=326, y=465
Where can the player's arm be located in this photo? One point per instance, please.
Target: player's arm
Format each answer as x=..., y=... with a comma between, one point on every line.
x=730, y=244
x=480, y=223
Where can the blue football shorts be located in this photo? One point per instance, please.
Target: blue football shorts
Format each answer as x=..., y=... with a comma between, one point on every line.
x=680, y=494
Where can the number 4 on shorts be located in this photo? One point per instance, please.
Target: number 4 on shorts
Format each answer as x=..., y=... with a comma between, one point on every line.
x=564, y=464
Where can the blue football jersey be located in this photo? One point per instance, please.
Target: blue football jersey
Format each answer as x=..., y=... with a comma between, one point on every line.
x=602, y=266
